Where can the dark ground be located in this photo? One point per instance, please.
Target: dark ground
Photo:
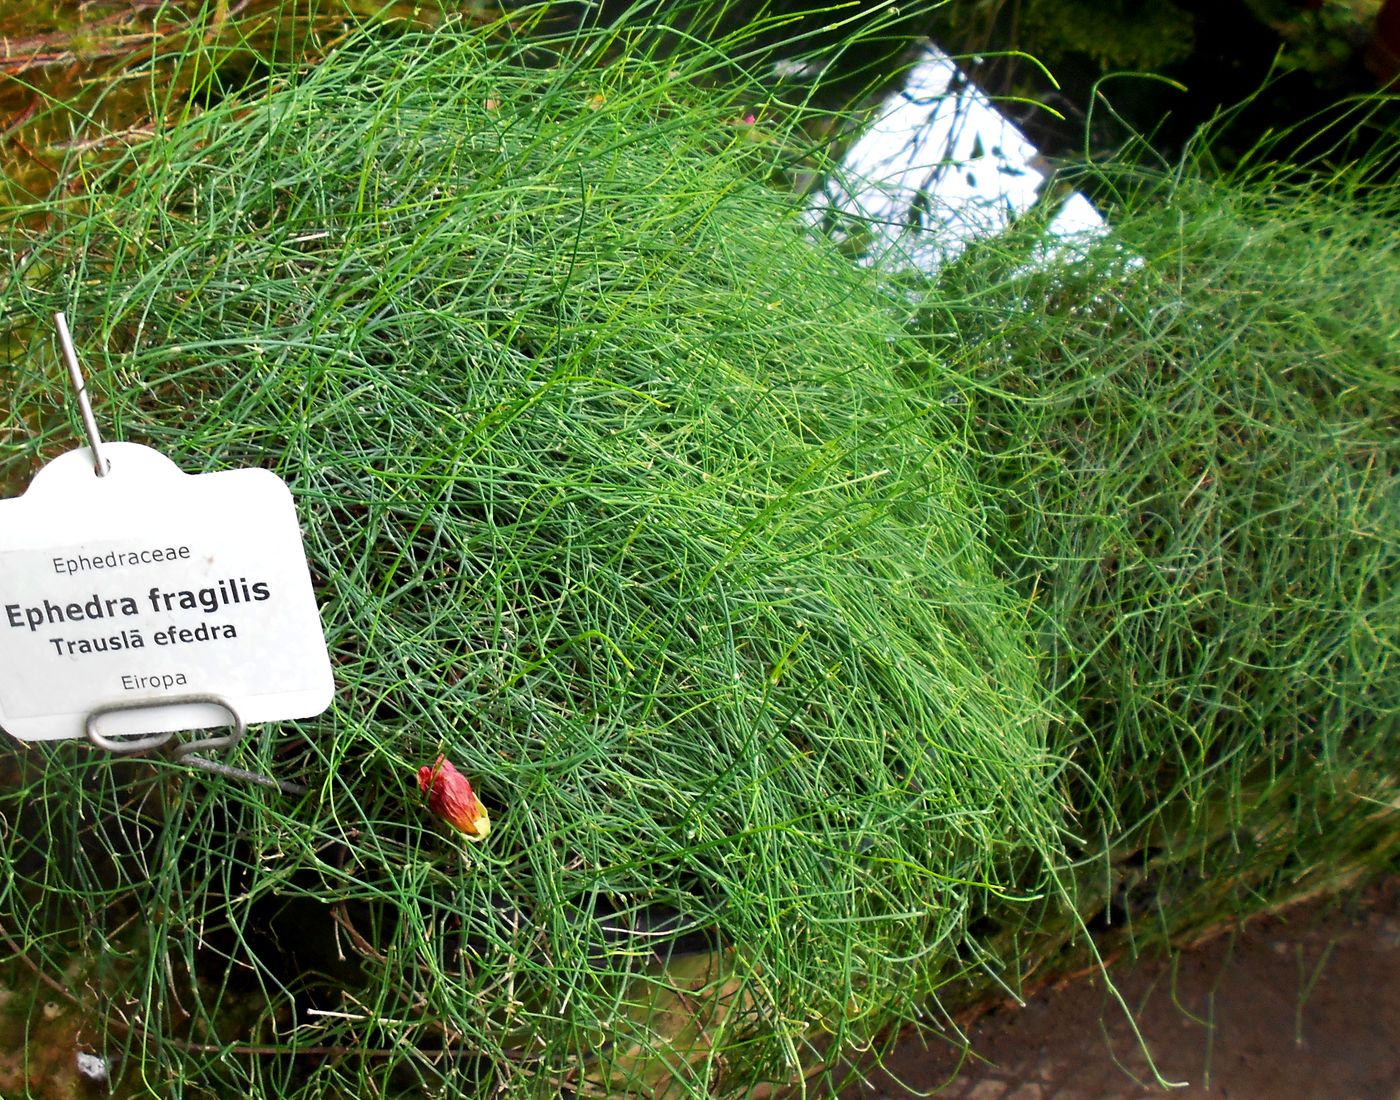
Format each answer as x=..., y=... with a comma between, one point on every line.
x=1303, y=1006
x=1299, y=1006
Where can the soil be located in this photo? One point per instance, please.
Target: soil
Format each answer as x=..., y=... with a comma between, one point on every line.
x=1301, y=1006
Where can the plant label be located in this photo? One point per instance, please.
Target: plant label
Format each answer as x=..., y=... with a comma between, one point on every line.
x=149, y=584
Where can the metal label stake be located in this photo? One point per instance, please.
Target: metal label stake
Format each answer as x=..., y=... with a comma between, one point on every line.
x=185, y=752
x=75, y=374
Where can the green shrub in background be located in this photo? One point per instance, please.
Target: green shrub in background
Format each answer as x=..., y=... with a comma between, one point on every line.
x=1191, y=428
x=612, y=495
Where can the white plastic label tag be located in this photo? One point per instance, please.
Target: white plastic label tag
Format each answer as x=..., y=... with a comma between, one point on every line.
x=150, y=583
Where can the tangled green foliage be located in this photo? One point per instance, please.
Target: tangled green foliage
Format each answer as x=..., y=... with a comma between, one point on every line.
x=1191, y=427
x=611, y=494
x=661, y=522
